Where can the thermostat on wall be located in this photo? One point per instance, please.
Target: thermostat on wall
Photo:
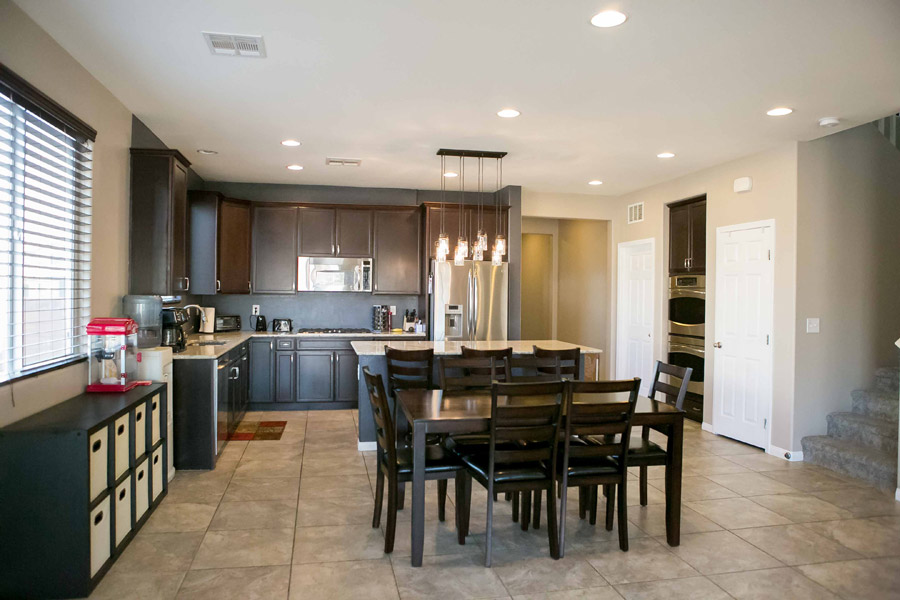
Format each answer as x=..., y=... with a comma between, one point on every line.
x=743, y=184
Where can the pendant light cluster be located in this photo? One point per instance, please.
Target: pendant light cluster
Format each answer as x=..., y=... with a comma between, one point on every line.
x=479, y=244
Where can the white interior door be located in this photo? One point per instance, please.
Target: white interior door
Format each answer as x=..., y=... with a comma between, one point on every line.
x=634, y=343
x=742, y=395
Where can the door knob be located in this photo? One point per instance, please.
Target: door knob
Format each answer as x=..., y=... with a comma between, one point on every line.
x=717, y=345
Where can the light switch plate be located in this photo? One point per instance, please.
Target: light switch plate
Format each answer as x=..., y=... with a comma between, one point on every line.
x=812, y=325
x=393, y=310
x=255, y=310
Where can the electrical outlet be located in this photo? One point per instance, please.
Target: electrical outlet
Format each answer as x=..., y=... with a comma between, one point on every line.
x=393, y=310
x=255, y=310
x=812, y=325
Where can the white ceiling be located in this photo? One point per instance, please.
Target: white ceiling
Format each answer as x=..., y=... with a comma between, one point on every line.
x=391, y=81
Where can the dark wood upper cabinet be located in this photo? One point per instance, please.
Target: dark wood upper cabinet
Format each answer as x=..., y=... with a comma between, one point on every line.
x=398, y=257
x=317, y=231
x=687, y=236
x=219, y=244
x=159, y=258
x=354, y=233
x=274, y=256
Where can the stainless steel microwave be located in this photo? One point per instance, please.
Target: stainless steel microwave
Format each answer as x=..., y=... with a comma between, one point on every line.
x=331, y=274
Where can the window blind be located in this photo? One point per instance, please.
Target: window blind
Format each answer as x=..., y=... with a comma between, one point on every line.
x=45, y=237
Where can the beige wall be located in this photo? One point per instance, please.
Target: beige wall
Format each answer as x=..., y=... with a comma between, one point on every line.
x=549, y=227
x=30, y=52
x=848, y=252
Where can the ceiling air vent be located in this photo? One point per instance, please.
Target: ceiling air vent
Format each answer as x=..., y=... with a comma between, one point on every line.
x=635, y=213
x=230, y=44
x=343, y=162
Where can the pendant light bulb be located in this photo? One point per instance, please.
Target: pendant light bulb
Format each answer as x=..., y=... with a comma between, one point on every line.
x=443, y=243
x=440, y=254
x=481, y=241
x=496, y=258
x=500, y=244
x=477, y=253
x=459, y=258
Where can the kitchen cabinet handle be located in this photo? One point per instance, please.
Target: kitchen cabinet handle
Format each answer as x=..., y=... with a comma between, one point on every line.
x=187, y=283
x=270, y=346
x=685, y=263
x=249, y=287
x=218, y=285
x=332, y=249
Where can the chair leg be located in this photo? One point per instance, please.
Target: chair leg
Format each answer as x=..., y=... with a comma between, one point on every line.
x=583, y=501
x=623, y=517
x=442, y=499
x=488, y=528
x=507, y=496
x=643, y=486
x=394, y=488
x=562, y=520
x=459, y=496
x=467, y=500
x=592, y=508
x=515, y=507
x=537, y=508
x=610, y=505
x=401, y=495
x=526, y=509
x=552, y=529
x=379, y=498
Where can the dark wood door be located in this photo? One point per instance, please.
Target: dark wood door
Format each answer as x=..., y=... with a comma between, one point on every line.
x=179, y=270
x=234, y=247
x=679, y=238
x=315, y=375
x=697, y=263
x=274, y=256
x=398, y=258
x=354, y=233
x=346, y=383
x=285, y=377
x=261, y=370
x=316, y=231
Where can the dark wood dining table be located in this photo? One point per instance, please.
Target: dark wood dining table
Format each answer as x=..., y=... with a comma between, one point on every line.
x=434, y=411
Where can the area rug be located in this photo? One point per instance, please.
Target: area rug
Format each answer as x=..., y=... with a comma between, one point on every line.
x=258, y=431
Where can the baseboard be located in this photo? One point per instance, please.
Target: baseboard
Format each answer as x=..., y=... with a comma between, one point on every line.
x=707, y=427
x=367, y=446
x=785, y=454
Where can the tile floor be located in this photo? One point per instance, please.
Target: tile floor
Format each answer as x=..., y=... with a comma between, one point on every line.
x=291, y=519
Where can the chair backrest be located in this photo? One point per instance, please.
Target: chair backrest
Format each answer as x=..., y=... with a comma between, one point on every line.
x=603, y=420
x=470, y=373
x=570, y=360
x=409, y=369
x=532, y=412
x=674, y=394
x=503, y=356
x=385, y=434
x=524, y=369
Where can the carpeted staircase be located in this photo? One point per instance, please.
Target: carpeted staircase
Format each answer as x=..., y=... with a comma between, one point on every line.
x=863, y=443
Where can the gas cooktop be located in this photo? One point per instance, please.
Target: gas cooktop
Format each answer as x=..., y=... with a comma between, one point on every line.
x=334, y=330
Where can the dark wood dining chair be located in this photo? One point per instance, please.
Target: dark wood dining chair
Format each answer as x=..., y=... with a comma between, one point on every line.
x=471, y=374
x=503, y=356
x=529, y=368
x=570, y=361
x=396, y=464
x=603, y=458
x=408, y=369
x=642, y=452
x=527, y=411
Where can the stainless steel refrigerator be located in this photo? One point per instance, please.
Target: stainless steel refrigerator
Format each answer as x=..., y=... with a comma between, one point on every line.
x=469, y=302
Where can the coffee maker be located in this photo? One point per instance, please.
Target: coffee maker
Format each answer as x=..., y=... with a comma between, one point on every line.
x=175, y=320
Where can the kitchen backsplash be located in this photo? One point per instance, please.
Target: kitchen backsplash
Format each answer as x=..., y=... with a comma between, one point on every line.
x=310, y=309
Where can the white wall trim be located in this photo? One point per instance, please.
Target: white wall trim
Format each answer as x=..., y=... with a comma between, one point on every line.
x=897, y=495
x=707, y=427
x=781, y=452
x=366, y=446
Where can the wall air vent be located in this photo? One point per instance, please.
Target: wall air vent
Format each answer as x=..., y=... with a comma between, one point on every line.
x=230, y=44
x=635, y=213
x=343, y=162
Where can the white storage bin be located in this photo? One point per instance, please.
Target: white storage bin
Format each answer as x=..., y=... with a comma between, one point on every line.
x=100, y=530
x=141, y=490
x=140, y=430
x=155, y=423
x=98, y=464
x=122, y=434
x=123, y=510
x=158, y=470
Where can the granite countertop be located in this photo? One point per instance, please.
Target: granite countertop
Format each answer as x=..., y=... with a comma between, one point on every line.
x=376, y=348
x=232, y=339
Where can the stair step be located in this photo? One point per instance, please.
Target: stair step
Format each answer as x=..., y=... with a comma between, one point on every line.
x=878, y=404
x=878, y=467
x=887, y=379
x=865, y=431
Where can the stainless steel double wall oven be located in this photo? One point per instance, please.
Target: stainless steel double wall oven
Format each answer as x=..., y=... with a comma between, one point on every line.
x=687, y=332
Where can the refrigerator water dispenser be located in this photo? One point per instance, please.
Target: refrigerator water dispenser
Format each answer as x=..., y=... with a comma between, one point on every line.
x=453, y=320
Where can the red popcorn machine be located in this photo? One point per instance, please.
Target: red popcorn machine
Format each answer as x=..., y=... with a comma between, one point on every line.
x=112, y=363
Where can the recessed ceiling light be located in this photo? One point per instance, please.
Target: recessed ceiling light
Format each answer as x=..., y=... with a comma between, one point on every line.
x=451, y=174
x=666, y=155
x=295, y=167
x=780, y=111
x=508, y=113
x=202, y=151
x=595, y=182
x=291, y=143
x=829, y=122
x=608, y=18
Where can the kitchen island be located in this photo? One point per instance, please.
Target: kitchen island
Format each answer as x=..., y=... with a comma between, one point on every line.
x=371, y=354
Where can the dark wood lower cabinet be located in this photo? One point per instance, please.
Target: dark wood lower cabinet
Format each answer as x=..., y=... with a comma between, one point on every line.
x=262, y=369
x=285, y=378
x=345, y=376
x=315, y=376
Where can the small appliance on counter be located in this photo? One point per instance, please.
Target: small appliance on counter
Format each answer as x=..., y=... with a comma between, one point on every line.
x=113, y=365
x=260, y=324
x=282, y=325
x=147, y=313
x=175, y=320
x=228, y=323
x=409, y=321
